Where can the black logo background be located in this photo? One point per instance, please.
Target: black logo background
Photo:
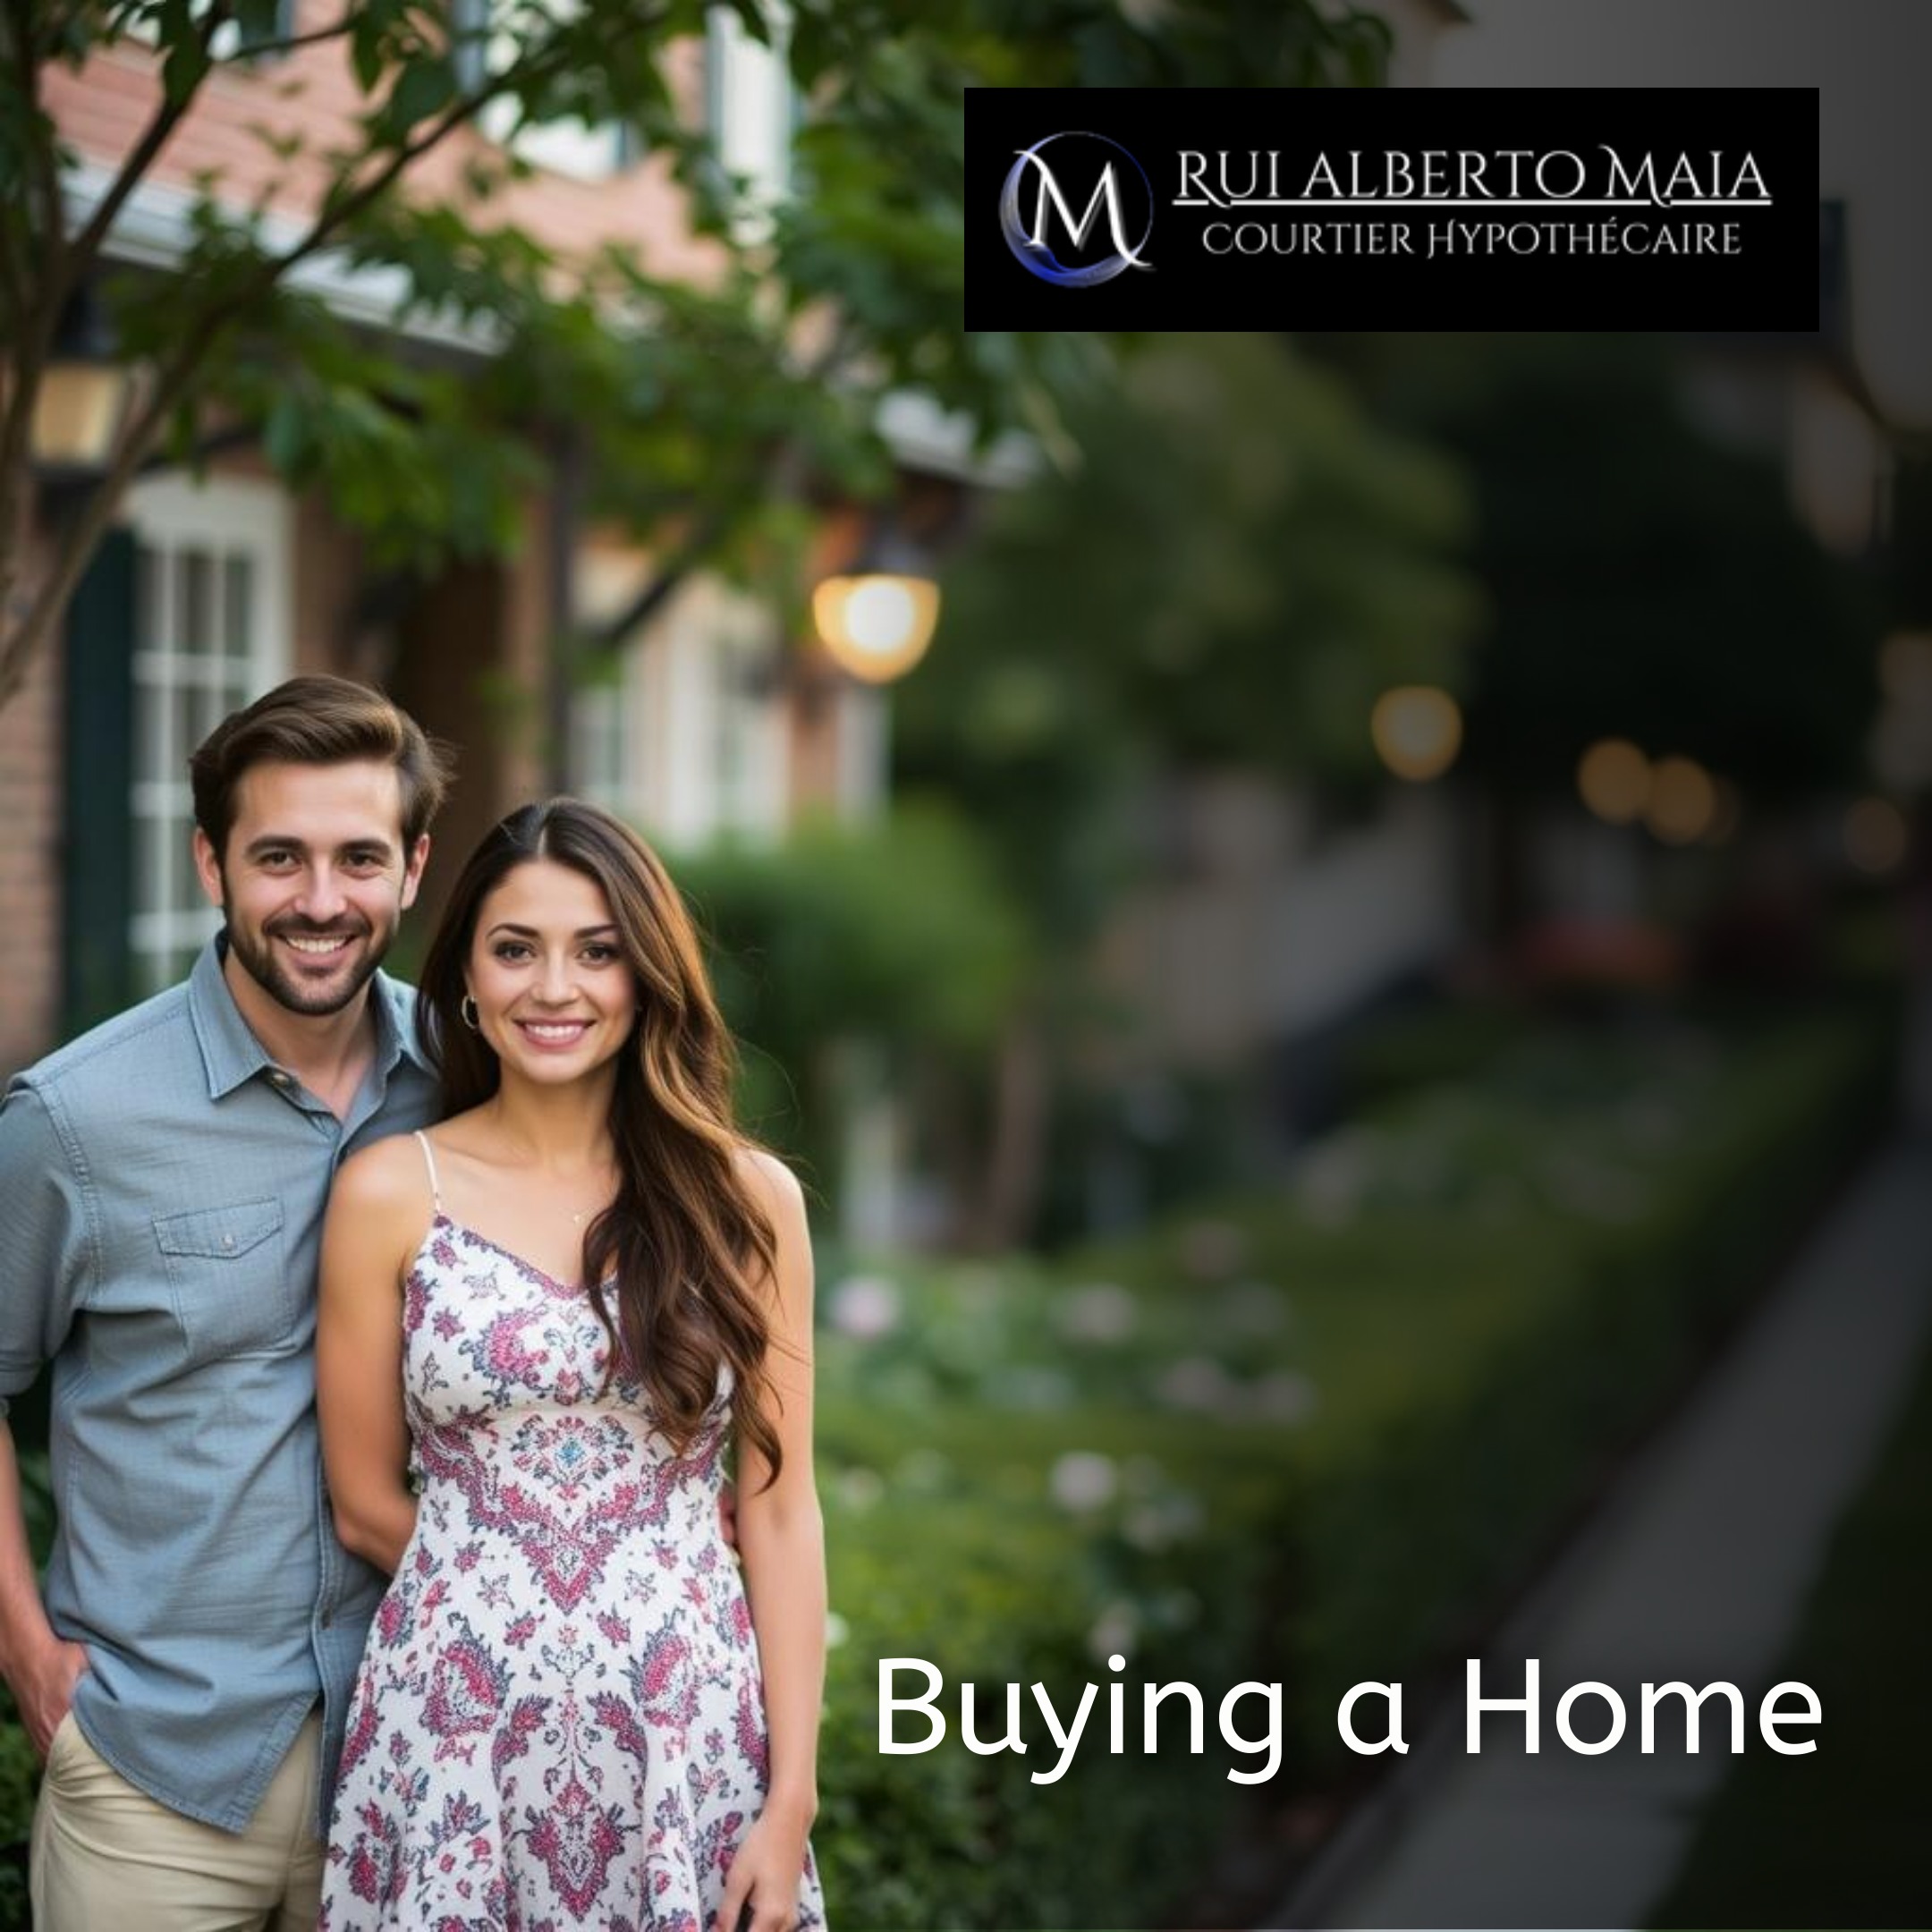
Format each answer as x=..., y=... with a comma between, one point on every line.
x=1770, y=285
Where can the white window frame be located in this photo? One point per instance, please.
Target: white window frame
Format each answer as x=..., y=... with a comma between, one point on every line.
x=751, y=106
x=225, y=518
x=603, y=724
x=702, y=718
x=227, y=43
x=724, y=768
x=570, y=148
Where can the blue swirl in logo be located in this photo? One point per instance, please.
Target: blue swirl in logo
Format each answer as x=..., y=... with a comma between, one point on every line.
x=1032, y=250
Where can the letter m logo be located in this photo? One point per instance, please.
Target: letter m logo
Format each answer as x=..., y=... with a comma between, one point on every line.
x=1106, y=190
x=1032, y=242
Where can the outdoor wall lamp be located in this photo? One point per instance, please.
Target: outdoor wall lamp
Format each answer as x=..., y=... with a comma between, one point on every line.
x=877, y=622
x=83, y=395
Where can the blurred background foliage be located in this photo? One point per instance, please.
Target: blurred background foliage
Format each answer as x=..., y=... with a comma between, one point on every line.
x=1645, y=581
x=900, y=932
x=1229, y=564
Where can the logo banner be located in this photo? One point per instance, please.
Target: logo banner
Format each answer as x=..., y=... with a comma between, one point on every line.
x=1512, y=208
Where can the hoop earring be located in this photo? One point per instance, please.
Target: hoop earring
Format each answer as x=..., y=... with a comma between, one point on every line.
x=466, y=1009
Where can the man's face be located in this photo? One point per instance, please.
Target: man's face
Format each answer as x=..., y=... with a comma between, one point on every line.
x=315, y=879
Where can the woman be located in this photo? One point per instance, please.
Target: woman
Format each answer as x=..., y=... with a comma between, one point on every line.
x=557, y=1305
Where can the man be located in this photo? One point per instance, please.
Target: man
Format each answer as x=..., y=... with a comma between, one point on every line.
x=162, y=1184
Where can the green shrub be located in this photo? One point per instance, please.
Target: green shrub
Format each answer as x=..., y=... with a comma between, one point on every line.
x=19, y=1768
x=898, y=933
x=1372, y=1405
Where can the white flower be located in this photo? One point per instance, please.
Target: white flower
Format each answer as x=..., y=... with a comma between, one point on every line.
x=836, y=1630
x=1594, y=1189
x=1282, y=1397
x=1195, y=1382
x=1099, y=1312
x=924, y=1472
x=1027, y=1387
x=1332, y=1177
x=1083, y=1480
x=1212, y=1250
x=1254, y=1307
x=1159, y=1525
x=1115, y=1632
x=858, y=1489
x=865, y=1307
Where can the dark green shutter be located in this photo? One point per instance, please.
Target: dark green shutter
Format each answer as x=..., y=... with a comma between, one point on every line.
x=97, y=864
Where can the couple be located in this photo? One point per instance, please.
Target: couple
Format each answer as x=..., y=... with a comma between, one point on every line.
x=510, y=1254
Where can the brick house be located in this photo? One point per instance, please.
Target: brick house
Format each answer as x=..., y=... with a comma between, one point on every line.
x=212, y=590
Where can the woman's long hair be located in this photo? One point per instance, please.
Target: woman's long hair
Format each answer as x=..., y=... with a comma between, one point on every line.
x=685, y=1243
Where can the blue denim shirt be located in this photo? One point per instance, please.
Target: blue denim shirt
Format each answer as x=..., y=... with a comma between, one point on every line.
x=161, y=1185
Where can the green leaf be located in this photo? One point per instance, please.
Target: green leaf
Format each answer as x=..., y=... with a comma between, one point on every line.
x=184, y=70
x=367, y=53
x=285, y=439
x=425, y=86
x=260, y=22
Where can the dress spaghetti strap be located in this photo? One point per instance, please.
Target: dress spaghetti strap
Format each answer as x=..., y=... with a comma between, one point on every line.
x=436, y=1192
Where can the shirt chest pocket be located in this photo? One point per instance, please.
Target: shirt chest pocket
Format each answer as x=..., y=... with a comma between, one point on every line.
x=229, y=1275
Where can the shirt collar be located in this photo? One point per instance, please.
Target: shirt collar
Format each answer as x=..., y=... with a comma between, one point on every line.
x=231, y=1053
x=394, y=1007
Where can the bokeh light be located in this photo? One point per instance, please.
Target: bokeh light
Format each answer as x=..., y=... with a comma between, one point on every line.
x=1613, y=780
x=876, y=626
x=1682, y=805
x=1876, y=836
x=1417, y=731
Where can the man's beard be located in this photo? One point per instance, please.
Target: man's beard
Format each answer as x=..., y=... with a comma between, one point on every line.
x=260, y=961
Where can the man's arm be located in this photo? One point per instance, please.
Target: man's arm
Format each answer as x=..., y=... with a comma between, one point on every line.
x=45, y=1255
x=41, y=1668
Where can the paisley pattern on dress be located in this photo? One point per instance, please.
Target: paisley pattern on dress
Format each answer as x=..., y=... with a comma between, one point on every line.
x=559, y=1720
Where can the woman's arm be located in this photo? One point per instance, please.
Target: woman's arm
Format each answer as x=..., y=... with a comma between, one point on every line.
x=377, y=1215
x=781, y=1543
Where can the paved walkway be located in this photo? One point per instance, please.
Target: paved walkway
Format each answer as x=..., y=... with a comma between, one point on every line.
x=1699, y=1570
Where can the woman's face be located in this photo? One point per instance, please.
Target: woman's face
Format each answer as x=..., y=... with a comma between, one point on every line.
x=554, y=995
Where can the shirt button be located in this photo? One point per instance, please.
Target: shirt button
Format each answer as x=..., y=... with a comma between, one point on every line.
x=227, y=1241
x=279, y=1079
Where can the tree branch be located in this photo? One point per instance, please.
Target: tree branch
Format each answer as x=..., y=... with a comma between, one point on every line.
x=138, y=159
x=316, y=36
x=176, y=380
x=46, y=173
x=783, y=474
x=34, y=321
x=15, y=290
x=336, y=214
x=704, y=538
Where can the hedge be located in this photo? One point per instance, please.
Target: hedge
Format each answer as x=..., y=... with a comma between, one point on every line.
x=1369, y=1408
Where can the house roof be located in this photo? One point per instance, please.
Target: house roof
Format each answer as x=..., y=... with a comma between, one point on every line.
x=155, y=225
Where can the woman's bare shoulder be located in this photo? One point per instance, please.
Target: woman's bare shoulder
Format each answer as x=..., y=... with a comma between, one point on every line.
x=770, y=1180
x=387, y=1176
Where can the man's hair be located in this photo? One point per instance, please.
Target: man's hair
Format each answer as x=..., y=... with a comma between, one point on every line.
x=318, y=720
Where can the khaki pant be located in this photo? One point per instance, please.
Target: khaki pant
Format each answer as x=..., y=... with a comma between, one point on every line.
x=107, y=1857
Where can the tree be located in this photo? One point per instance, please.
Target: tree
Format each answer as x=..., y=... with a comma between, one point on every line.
x=702, y=410
x=1237, y=565
x=1234, y=568
x=1645, y=581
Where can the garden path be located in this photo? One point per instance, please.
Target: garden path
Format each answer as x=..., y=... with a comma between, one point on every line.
x=1699, y=1569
